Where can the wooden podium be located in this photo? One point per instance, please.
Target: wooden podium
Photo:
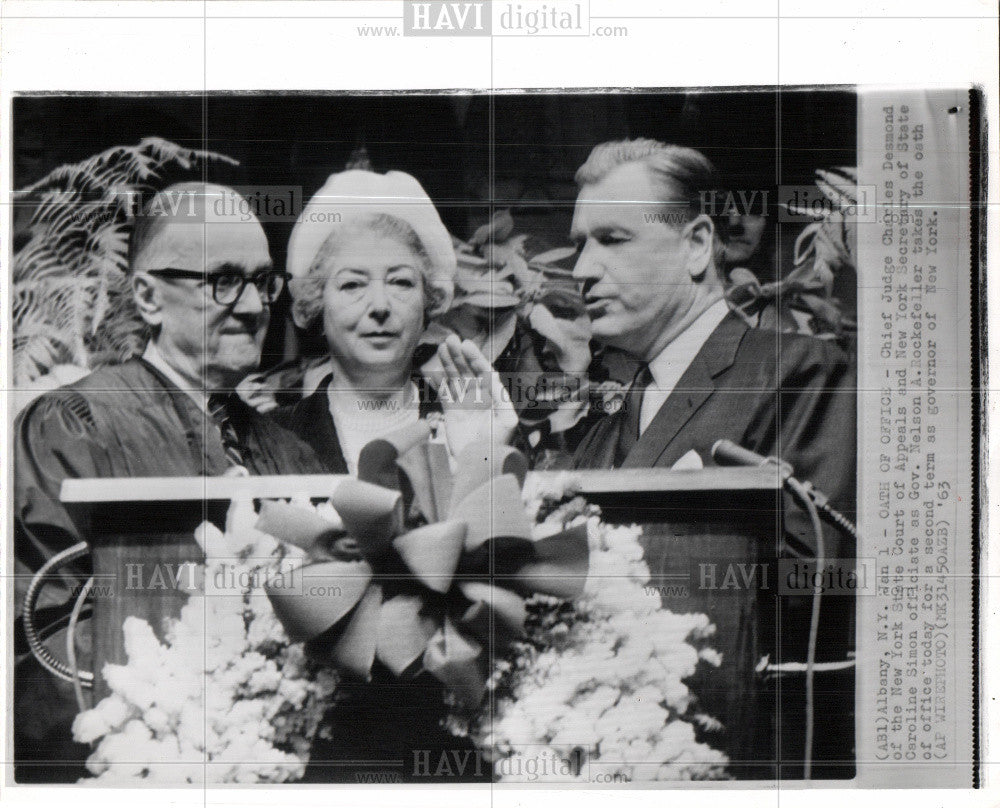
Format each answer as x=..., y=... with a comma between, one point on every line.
x=711, y=541
x=710, y=538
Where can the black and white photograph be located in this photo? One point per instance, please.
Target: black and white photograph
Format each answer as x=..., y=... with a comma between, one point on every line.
x=581, y=438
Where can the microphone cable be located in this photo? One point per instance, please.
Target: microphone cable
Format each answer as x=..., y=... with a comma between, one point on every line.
x=728, y=453
x=802, y=495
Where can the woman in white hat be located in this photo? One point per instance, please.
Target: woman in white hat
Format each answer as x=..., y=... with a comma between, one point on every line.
x=371, y=263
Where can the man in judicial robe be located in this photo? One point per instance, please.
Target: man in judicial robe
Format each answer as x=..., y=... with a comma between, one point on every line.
x=203, y=282
x=650, y=267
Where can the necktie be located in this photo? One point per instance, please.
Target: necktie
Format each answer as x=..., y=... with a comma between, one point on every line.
x=218, y=408
x=630, y=413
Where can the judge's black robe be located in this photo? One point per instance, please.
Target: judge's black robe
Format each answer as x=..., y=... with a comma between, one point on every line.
x=125, y=420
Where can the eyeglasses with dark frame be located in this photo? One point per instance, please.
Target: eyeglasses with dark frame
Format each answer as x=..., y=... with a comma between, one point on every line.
x=228, y=285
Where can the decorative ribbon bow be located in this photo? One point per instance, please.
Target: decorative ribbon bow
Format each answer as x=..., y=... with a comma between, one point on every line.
x=435, y=597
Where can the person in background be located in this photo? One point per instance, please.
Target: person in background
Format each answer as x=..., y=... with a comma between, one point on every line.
x=805, y=293
x=748, y=242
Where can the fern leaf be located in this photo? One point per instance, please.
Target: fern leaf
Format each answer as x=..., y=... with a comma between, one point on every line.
x=69, y=277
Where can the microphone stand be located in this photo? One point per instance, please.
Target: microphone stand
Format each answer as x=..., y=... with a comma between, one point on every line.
x=725, y=452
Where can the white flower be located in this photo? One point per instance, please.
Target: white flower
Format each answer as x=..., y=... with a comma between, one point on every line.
x=240, y=521
x=157, y=720
x=144, y=652
x=575, y=729
x=135, y=690
x=552, y=487
x=106, y=716
x=214, y=702
x=623, y=541
x=210, y=539
x=610, y=684
x=545, y=529
x=266, y=678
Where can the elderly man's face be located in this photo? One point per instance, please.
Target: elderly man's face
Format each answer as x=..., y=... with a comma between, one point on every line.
x=212, y=344
x=634, y=264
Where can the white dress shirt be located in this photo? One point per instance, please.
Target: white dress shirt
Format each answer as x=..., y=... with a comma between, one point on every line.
x=668, y=367
x=155, y=358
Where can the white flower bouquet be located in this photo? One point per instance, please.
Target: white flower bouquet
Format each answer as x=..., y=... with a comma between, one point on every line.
x=227, y=698
x=592, y=692
x=596, y=693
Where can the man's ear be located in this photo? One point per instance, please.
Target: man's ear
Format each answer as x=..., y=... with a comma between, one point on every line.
x=147, y=299
x=700, y=236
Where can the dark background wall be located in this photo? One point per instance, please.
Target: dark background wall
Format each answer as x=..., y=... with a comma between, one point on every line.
x=756, y=139
x=514, y=150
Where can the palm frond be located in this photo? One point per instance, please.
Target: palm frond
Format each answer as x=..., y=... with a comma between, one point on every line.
x=70, y=288
x=110, y=247
x=34, y=262
x=37, y=345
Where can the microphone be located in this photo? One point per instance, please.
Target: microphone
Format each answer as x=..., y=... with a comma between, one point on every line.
x=727, y=453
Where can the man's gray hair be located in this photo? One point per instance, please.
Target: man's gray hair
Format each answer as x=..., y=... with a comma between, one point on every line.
x=682, y=174
x=183, y=203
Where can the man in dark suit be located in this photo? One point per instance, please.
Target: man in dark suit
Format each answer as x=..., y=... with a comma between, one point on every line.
x=650, y=267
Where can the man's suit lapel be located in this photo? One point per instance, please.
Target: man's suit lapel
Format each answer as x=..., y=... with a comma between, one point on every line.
x=597, y=450
x=694, y=387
